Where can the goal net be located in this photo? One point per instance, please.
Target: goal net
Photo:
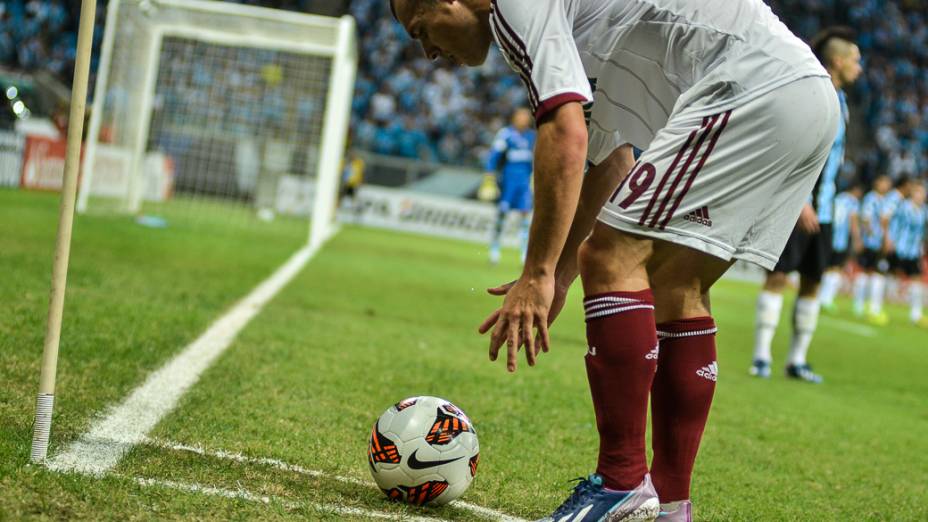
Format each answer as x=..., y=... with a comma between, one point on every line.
x=218, y=111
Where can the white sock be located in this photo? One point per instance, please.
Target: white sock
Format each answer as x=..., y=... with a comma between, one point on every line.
x=915, y=301
x=877, y=288
x=769, y=305
x=805, y=318
x=523, y=237
x=860, y=293
x=830, y=285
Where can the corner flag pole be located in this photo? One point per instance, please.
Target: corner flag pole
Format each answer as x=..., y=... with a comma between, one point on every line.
x=46, y=398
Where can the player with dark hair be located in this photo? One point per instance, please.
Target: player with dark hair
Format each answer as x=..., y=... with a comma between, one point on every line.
x=735, y=117
x=809, y=247
x=511, y=156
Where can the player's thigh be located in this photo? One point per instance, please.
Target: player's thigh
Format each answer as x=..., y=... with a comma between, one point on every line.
x=614, y=260
x=680, y=280
x=705, y=181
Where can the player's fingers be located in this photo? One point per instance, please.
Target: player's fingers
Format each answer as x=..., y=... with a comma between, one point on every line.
x=543, y=333
x=501, y=289
x=512, y=345
x=488, y=323
x=497, y=338
x=529, y=338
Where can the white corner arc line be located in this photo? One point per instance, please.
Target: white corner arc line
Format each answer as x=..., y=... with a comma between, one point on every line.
x=127, y=424
x=243, y=494
x=284, y=466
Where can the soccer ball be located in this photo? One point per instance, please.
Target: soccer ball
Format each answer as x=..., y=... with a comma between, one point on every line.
x=423, y=450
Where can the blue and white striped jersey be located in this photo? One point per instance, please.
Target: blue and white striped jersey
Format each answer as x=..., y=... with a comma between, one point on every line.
x=871, y=211
x=908, y=229
x=891, y=202
x=823, y=195
x=513, y=151
x=846, y=206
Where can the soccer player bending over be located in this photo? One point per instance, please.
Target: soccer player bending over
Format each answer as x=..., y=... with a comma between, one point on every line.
x=809, y=248
x=736, y=118
x=511, y=154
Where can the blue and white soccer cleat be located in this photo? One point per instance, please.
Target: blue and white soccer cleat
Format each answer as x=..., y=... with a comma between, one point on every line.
x=592, y=502
x=803, y=372
x=680, y=512
x=760, y=368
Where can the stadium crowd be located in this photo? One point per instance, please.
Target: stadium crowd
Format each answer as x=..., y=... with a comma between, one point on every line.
x=405, y=106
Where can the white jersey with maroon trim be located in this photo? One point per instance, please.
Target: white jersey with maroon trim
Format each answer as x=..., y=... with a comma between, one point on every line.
x=640, y=61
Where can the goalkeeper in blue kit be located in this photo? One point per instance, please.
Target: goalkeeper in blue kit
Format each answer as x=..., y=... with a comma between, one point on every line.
x=511, y=156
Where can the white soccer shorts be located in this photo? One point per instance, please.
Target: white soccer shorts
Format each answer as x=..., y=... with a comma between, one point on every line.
x=731, y=184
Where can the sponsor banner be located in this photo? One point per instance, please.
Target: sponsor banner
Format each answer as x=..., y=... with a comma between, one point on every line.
x=424, y=214
x=11, y=157
x=43, y=163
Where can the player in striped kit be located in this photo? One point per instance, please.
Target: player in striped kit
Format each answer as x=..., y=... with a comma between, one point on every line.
x=809, y=249
x=875, y=211
x=908, y=224
x=735, y=117
x=845, y=240
x=511, y=156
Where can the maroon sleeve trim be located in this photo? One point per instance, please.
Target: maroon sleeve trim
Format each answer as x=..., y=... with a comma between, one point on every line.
x=554, y=102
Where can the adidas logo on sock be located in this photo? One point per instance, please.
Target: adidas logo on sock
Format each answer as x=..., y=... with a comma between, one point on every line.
x=652, y=355
x=700, y=215
x=710, y=372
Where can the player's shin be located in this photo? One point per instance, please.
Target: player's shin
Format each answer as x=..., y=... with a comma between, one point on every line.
x=523, y=236
x=769, y=305
x=915, y=301
x=877, y=289
x=860, y=293
x=831, y=283
x=680, y=400
x=805, y=319
x=620, y=364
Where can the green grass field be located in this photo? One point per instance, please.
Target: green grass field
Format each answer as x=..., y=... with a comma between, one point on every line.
x=377, y=317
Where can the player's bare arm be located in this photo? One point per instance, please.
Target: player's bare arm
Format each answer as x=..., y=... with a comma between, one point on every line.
x=560, y=154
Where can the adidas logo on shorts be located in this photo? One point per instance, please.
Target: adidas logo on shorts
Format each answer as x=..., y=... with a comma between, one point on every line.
x=700, y=215
x=652, y=355
x=710, y=372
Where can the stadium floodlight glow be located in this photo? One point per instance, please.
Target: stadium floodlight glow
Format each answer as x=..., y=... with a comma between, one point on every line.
x=18, y=107
x=12, y=92
x=46, y=397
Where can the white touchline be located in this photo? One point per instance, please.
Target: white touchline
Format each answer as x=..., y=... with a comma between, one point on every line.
x=284, y=466
x=125, y=425
x=243, y=494
x=850, y=327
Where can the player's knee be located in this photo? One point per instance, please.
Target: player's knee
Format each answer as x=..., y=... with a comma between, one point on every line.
x=808, y=286
x=775, y=282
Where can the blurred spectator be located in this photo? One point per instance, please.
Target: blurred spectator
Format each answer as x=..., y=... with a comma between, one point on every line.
x=404, y=105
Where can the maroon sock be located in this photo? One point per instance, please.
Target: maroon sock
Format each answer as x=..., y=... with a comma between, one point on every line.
x=680, y=400
x=620, y=365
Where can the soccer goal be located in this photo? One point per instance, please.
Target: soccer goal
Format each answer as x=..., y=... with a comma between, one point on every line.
x=211, y=105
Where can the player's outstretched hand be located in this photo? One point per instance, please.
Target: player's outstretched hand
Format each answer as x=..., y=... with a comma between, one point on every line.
x=524, y=309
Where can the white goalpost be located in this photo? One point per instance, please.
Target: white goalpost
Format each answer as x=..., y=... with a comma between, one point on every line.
x=236, y=108
x=214, y=103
